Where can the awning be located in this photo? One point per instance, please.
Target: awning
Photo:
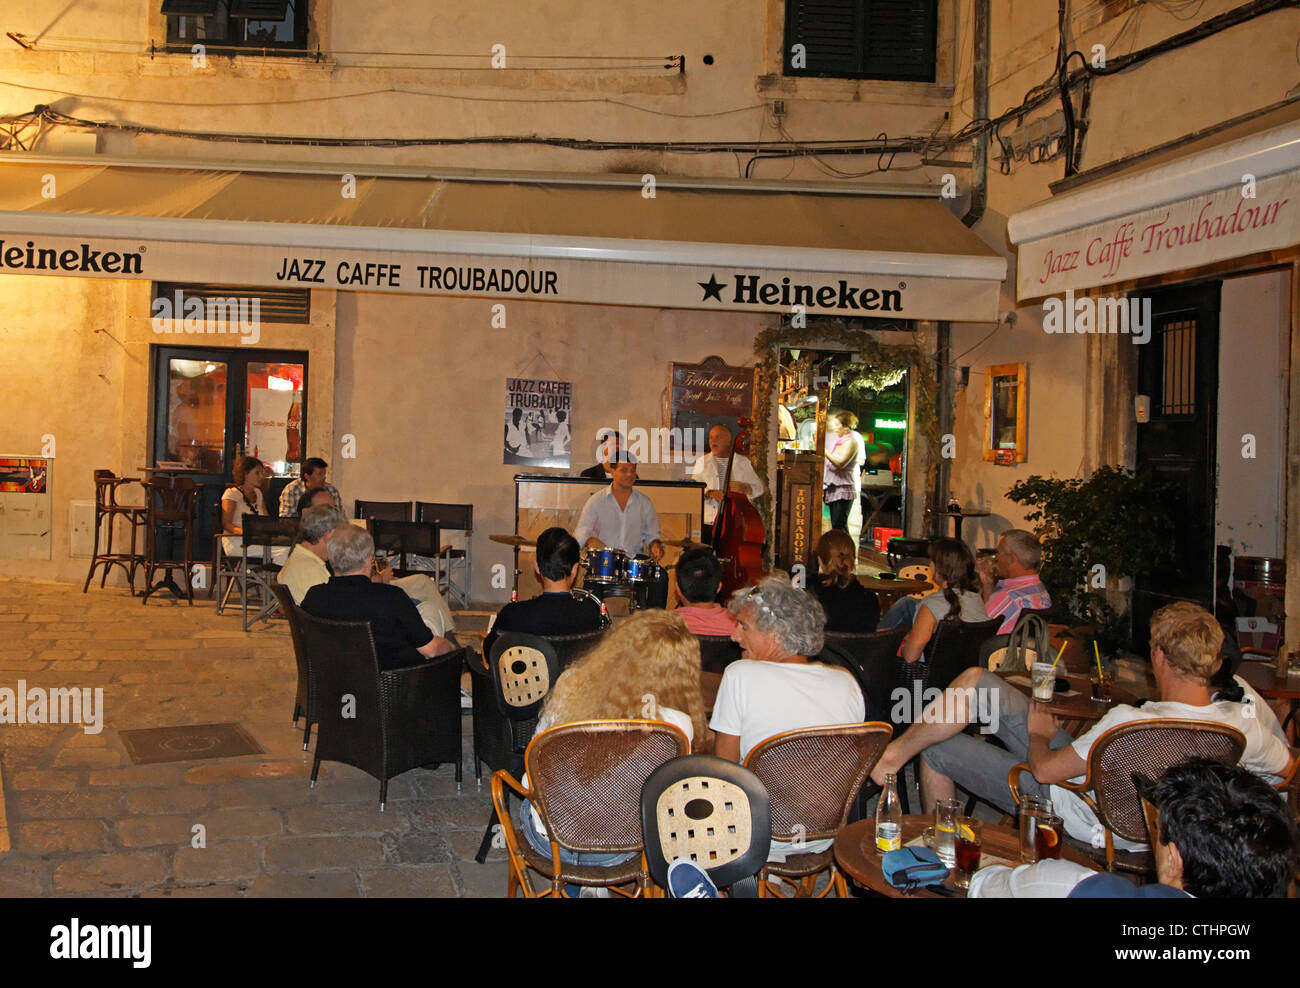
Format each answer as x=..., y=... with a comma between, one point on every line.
x=889, y=256
x=1230, y=199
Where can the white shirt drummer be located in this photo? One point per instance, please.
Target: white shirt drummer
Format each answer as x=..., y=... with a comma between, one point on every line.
x=620, y=518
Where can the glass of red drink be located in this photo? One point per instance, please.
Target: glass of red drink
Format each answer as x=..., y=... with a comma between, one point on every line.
x=1047, y=837
x=966, y=842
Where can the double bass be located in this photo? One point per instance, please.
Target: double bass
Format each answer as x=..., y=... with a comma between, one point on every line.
x=738, y=532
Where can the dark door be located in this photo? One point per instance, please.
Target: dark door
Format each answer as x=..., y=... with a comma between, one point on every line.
x=213, y=406
x=1178, y=369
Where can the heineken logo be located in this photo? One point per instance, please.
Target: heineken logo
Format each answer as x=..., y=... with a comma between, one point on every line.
x=748, y=289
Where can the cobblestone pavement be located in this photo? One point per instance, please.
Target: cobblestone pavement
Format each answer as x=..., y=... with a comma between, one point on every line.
x=83, y=821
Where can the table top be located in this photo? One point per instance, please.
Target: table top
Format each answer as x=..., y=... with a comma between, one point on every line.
x=968, y=513
x=855, y=852
x=1267, y=683
x=876, y=585
x=1081, y=706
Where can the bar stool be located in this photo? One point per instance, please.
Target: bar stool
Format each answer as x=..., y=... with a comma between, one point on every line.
x=107, y=511
x=170, y=503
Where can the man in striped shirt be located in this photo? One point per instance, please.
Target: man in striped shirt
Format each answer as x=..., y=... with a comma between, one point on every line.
x=1019, y=556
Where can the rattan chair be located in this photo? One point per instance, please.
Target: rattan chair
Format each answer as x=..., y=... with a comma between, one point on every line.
x=384, y=722
x=570, y=648
x=954, y=648
x=107, y=512
x=712, y=811
x=585, y=781
x=1148, y=748
x=304, y=701
x=870, y=657
x=813, y=776
x=717, y=652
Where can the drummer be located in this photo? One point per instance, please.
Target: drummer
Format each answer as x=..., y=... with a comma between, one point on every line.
x=624, y=519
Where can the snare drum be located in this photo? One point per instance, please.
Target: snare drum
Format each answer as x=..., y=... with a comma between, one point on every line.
x=606, y=566
x=642, y=570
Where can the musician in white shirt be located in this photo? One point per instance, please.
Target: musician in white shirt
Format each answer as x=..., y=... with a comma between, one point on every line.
x=711, y=469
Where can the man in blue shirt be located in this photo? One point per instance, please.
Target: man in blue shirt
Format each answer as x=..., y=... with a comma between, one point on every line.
x=622, y=518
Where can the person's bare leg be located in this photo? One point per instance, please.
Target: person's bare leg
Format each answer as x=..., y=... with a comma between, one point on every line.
x=934, y=787
x=942, y=719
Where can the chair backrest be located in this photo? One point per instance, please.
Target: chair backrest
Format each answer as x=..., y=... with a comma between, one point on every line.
x=405, y=538
x=451, y=517
x=171, y=498
x=524, y=668
x=344, y=664
x=293, y=613
x=263, y=530
x=813, y=775
x=870, y=657
x=710, y=811
x=387, y=510
x=897, y=549
x=587, y=778
x=1150, y=748
x=917, y=571
x=570, y=648
x=717, y=652
x=955, y=647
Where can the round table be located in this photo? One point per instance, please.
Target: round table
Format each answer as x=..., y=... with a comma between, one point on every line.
x=888, y=591
x=855, y=853
x=1080, y=711
x=1268, y=684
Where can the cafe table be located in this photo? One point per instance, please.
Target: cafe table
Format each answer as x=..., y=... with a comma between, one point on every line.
x=1076, y=708
x=855, y=853
x=1264, y=679
x=888, y=591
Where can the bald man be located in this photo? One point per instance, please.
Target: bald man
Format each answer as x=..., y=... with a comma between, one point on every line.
x=711, y=469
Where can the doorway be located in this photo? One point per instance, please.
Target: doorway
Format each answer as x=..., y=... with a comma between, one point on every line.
x=213, y=406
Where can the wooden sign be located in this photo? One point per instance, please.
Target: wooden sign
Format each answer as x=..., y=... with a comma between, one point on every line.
x=704, y=395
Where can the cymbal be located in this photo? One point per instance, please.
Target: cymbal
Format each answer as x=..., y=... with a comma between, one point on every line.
x=683, y=543
x=515, y=541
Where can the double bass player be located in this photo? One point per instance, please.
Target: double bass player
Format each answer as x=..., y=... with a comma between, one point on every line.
x=711, y=470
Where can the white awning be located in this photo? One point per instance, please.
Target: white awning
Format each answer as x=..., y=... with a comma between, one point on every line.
x=1229, y=200
x=885, y=256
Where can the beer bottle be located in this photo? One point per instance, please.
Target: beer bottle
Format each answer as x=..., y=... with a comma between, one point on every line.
x=889, y=818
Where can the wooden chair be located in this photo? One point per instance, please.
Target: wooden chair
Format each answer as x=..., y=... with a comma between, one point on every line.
x=585, y=781
x=396, y=719
x=713, y=812
x=1148, y=748
x=304, y=701
x=107, y=512
x=813, y=776
x=170, y=515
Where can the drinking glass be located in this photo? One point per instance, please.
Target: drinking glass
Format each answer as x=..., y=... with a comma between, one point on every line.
x=1101, y=684
x=1043, y=675
x=1047, y=837
x=1032, y=808
x=967, y=845
x=946, y=812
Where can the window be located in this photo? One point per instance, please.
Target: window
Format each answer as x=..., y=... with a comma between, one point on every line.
x=892, y=40
x=237, y=26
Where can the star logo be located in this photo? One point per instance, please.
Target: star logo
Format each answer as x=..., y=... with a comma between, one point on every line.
x=712, y=288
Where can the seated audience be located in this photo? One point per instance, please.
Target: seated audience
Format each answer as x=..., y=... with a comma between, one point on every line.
x=1185, y=643
x=699, y=581
x=244, y=497
x=849, y=606
x=774, y=687
x=555, y=611
x=649, y=655
x=952, y=569
x=1018, y=587
x=312, y=499
x=401, y=636
x=314, y=471
x=1220, y=832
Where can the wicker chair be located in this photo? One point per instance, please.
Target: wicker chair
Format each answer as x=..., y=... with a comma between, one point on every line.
x=1148, y=748
x=570, y=648
x=713, y=811
x=304, y=701
x=870, y=657
x=813, y=776
x=717, y=652
x=585, y=782
x=398, y=719
x=955, y=648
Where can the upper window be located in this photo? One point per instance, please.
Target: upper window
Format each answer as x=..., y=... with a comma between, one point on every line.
x=243, y=26
x=862, y=39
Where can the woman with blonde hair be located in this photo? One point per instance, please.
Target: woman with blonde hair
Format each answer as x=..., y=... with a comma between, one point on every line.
x=648, y=666
x=849, y=606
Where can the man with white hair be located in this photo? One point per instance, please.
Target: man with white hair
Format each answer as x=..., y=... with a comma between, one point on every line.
x=401, y=636
x=1018, y=587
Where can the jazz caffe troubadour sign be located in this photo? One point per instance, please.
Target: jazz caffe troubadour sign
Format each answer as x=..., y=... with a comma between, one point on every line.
x=1175, y=237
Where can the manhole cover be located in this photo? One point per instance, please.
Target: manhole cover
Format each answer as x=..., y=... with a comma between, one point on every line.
x=151, y=745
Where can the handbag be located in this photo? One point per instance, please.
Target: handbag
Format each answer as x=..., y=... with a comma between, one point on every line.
x=1028, y=640
x=910, y=868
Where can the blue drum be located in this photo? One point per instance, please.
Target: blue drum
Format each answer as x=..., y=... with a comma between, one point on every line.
x=642, y=570
x=606, y=566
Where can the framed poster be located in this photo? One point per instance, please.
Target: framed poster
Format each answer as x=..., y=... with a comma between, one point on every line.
x=704, y=395
x=539, y=417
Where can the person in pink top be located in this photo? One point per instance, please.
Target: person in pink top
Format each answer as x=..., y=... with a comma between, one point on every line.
x=1019, y=588
x=699, y=580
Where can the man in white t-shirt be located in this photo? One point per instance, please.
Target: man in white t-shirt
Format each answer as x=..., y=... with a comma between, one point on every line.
x=1185, y=646
x=711, y=469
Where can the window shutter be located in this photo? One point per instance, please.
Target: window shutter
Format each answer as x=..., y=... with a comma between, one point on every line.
x=901, y=36
x=292, y=305
x=193, y=8
x=259, y=10
x=832, y=33
x=863, y=39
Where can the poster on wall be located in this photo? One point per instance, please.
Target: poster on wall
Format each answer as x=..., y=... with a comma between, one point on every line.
x=704, y=395
x=25, y=507
x=270, y=436
x=24, y=475
x=539, y=416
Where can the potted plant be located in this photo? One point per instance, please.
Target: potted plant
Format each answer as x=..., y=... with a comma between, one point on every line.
x=1098, y=534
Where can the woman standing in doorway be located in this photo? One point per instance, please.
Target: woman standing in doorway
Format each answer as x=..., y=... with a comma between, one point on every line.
x=839, y=486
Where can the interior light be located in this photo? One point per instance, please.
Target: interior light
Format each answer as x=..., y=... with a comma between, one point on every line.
x=279, y=384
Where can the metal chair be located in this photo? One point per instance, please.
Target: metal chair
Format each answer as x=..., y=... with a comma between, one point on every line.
x=813, y=776
x=712, y=811
x=170, y=515
x=453, y=560
x=406, y=540
x=717, y=652
x=304, y=701
x=257, y=574
x=107, y=512
x=383, y=721
x=387, y=510
x=585, y=781
x=1148, y=748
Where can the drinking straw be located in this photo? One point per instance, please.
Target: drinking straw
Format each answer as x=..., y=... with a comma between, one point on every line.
x=1059, y=654
x=1100, y=674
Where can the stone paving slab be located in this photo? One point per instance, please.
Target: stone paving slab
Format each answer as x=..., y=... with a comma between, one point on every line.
x=78, y=819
